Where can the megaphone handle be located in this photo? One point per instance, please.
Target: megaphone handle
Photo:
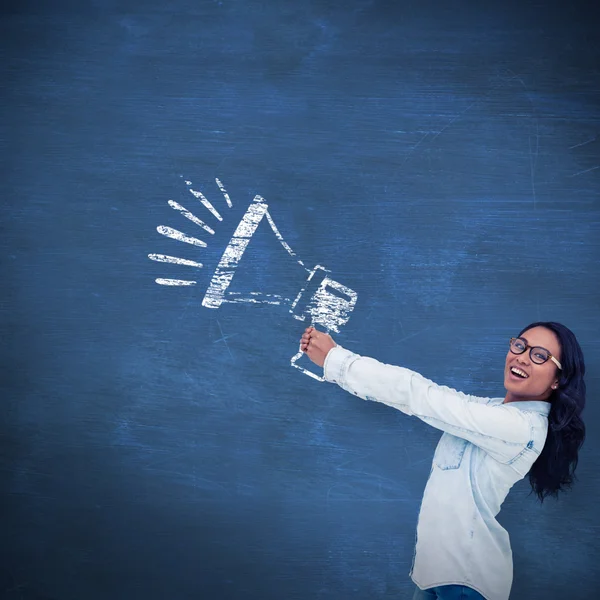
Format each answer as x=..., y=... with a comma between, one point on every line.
x=296, y=358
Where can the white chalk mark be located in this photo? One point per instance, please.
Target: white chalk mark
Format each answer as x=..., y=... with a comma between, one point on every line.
x=331, y=310
x=407, y=337
x=582, y=143
x=179, y=236
x=347, y=462
x=412, y=150
x=532, y=163
x=280, y=238
x=222, y=188
x=174, y=282
x=379, y=478
x=233, y=253
x=206, y=204
x=301, y=318
x=338, y=485
x=296, y=358
x=241, y=300
x=533, y=156
x=454, y=119
x=224, y=339
x=259, y=294
x=252, y=301
x=585, y=171
x=174, y=260
x=186, y=213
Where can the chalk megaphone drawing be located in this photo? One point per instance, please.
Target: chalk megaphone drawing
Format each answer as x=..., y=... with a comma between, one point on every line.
x=324, y=301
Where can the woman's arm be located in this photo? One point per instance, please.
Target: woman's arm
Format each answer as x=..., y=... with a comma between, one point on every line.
x=501, y=430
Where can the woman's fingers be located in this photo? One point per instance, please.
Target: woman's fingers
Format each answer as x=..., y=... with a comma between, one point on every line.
x=308, y=338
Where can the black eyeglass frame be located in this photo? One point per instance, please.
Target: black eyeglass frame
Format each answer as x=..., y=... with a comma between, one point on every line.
x=531, y=349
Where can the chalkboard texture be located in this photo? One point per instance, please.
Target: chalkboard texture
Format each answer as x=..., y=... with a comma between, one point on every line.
x=185, y=187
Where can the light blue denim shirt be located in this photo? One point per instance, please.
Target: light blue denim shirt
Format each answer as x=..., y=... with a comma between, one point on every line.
x=487, y=447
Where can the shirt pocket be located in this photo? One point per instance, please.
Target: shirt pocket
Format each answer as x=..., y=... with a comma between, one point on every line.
x=449, y=452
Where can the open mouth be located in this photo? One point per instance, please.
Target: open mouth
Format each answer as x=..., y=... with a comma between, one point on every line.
x=518, y=373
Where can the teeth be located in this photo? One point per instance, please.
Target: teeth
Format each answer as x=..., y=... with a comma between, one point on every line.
x=519, y=372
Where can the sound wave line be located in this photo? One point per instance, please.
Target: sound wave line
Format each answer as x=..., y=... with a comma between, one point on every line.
x=179, y=236
x=193, y=218
x=174, y=259
x=182, y=237
x=174, y=282
x=207, y=204
x=227, y=199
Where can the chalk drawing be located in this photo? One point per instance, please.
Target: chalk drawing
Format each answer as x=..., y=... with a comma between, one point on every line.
x=329, y=306
x=177, y=235
x=227, y=199
x=190, y=216
x=174, y=282
x=173, y=259
x=182, y=237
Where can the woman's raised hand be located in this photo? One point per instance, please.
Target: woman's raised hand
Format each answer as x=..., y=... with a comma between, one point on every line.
x=316, y=344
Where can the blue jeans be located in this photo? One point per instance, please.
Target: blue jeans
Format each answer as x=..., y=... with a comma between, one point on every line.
x=447, y=592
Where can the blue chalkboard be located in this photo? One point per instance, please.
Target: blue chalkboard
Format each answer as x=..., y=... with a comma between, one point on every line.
x=185, y=187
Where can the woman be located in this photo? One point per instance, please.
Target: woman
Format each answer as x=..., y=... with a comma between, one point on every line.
x=489, y=444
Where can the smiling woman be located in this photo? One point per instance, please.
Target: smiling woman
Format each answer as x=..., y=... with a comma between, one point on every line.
x=488, y=445
x=529, y=375
x=554, y=470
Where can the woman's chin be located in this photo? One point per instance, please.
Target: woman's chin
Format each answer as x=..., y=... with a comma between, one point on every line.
x=514, y=387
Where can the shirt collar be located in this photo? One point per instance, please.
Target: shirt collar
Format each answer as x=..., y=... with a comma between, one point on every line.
x=538, y=406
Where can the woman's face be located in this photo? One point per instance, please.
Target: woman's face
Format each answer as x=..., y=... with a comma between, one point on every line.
x=540, y=380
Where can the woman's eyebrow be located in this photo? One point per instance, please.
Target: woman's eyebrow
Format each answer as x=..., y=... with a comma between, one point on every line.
x=543, y=348
x=537, y=346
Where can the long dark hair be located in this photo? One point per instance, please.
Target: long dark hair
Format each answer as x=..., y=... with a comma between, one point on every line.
x=554, y=470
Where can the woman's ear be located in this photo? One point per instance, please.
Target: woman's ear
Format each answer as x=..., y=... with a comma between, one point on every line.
x=554, y=385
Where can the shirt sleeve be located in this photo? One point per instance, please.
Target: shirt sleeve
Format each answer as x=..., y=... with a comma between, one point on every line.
x=502, y=431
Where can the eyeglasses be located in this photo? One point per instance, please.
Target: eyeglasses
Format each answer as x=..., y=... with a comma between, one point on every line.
x=537, y=354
